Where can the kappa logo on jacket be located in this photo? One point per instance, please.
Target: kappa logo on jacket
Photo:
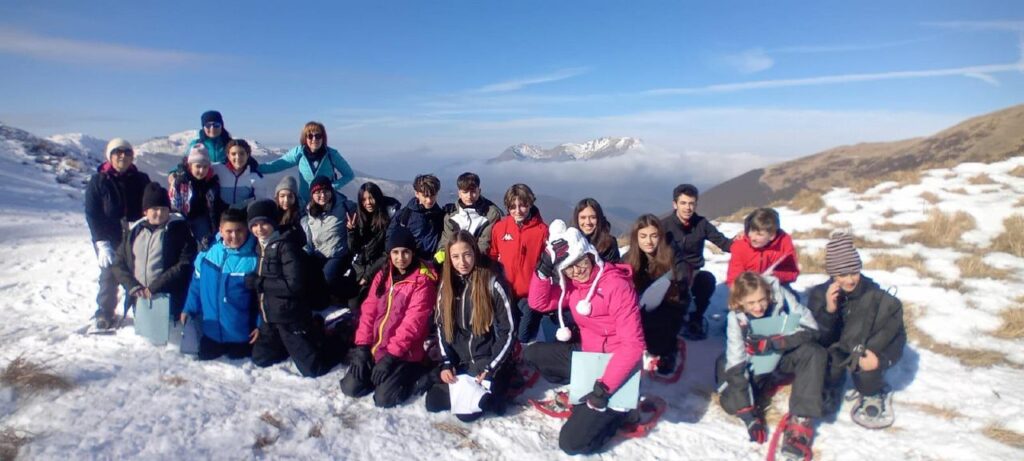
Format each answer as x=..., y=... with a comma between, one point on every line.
x=507, y=237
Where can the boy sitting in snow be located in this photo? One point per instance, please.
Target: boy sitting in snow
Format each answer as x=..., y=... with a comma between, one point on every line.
x=218, y=297
x=156, y=255
x=472, y=213
x=862, y=328
x=763, y=247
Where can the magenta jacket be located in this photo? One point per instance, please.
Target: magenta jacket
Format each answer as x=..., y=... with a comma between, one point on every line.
x=398, y=321
x=613, y=325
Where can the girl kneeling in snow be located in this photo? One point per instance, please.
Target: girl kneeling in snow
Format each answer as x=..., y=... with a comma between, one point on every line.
x=474, y=325
x=393, y=323
x=604, y=306
x=744, y=393
x=651, y=259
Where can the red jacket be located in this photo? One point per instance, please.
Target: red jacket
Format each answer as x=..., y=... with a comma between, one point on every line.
x=398, y=321
x=613, y=325
x=517, y=248
x=747, y=258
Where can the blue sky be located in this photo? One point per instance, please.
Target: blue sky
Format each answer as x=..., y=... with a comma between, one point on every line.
x=444, y=81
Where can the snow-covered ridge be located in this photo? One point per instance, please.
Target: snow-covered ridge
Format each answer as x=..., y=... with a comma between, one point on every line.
x=590, y=150
x=69, y=160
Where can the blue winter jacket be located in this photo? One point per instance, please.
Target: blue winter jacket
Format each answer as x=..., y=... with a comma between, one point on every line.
x=217, y=292
x=331, y=163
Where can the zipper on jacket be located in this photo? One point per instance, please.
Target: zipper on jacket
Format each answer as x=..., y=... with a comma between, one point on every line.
x=387, y=313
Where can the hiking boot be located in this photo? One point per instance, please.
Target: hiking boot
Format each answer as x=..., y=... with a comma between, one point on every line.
x=104, y=321
x=832, y=399
x=797, y=438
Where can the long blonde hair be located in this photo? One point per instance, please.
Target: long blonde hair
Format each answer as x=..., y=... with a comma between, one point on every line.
x=479, y=281
x=746, y=283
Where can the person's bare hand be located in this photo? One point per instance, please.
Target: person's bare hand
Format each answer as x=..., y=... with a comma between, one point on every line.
x=869, y=362
x=832, y=298
x=448, y=377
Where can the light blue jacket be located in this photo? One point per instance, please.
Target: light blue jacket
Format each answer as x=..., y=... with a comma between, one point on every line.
x=217, y=293
x=331, y=163
x=216, y=149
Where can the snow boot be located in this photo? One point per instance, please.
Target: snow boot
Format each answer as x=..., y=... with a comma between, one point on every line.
x=796, y=439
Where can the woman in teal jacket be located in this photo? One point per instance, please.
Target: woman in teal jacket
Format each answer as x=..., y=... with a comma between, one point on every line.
x=213, y=134
x=314, y=159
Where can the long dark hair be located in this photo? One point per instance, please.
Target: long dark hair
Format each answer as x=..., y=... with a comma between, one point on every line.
x=648, y=267
x=387, y=268
x=602, y=238
x=315, y=210
x=378, y=220
x=479, y=281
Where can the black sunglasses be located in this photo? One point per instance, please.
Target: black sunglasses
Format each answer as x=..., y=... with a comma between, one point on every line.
x=213, y=125
x=315, y=136
x=122, y=151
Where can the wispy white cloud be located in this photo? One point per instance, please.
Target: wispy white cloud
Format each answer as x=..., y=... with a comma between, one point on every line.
x=750, y=61
x=841, y=48
x=969, y=71
x=520, y=83
x=1003, y=25
x=20, y=42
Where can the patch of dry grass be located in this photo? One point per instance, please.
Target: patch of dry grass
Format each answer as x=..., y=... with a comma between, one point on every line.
x=863, y=243
x=316, y=431
x=807, y=201
x=1020, y=203
x=1011, y=240
x=889, y=213
x=819, y=233
x=968, y=357
x=1013, y=322
x=173, y=380
x=941, y=230
x=951, y=284
x=974, y=266
x=930, y=197
x=1018, y=172
x=959, y=190
x=981, y=180
x=892, y=227
x=890, y=262
x=460, y=432
x=947, y=414
x=272, y=420
x=1004, y=436
x=263, y=441
x=811, y=262
x=32, y=378
x=903, y=178
x=11, y=441
x=739, y=215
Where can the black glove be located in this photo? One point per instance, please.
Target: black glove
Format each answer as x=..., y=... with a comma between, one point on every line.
x=597, y=399
x=252, y=281
x=754, y=424
x=360, y=363
x=761, y=345
x=383, y=369
x=545, y=267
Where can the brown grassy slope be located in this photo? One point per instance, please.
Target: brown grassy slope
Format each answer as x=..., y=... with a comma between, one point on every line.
x=987, y=138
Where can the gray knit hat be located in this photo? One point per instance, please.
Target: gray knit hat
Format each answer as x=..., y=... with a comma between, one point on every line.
x=840, y=255
x=287, y=183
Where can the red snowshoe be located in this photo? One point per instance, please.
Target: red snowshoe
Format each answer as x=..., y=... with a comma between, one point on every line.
x=557, y=407
x=796, y=435
x=648, y=412
x=652, y=367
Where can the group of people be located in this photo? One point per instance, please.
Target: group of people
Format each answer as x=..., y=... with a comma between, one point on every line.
x=428, y=299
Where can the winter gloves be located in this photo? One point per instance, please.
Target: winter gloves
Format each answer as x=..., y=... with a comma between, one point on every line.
x=545, y=267
x=597, y=399
x=761, y=345
x=360, y=363
x=383, y=369
x=754, y=423
x=104, y=254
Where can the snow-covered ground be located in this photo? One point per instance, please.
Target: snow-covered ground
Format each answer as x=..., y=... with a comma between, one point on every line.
x=135, y=401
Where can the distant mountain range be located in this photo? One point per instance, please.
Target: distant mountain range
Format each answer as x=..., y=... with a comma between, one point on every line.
x=590, y=150
x=987, y=138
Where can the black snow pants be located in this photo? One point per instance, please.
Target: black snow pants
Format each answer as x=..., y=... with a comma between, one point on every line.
x=395, y=389
x=806, y=362
x=278, y=341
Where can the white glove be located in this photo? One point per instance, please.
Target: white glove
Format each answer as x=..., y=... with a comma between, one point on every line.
x=104, y=254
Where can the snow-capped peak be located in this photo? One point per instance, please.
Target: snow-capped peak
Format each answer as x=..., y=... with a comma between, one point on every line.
x=590, y=150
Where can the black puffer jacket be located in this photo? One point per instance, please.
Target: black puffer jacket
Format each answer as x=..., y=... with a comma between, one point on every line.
x=112, y=200
x=868, y=316
x=281, y=280
x=687, y=242
x=178, y=252
x=475, y=354
x=368, y=245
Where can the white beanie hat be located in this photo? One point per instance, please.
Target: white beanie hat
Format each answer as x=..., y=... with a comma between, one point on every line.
x=198, y=154
x=566, y=245
x=117, y=143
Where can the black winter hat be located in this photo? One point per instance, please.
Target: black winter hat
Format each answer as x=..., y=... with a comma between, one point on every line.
x=262, y=209
x=154, y=196
x=401, y=237
x=211, y=116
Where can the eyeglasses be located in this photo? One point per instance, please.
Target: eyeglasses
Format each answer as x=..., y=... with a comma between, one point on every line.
x=122, y=151
x=213, y=125
x=315, y=136
x=580, y=265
